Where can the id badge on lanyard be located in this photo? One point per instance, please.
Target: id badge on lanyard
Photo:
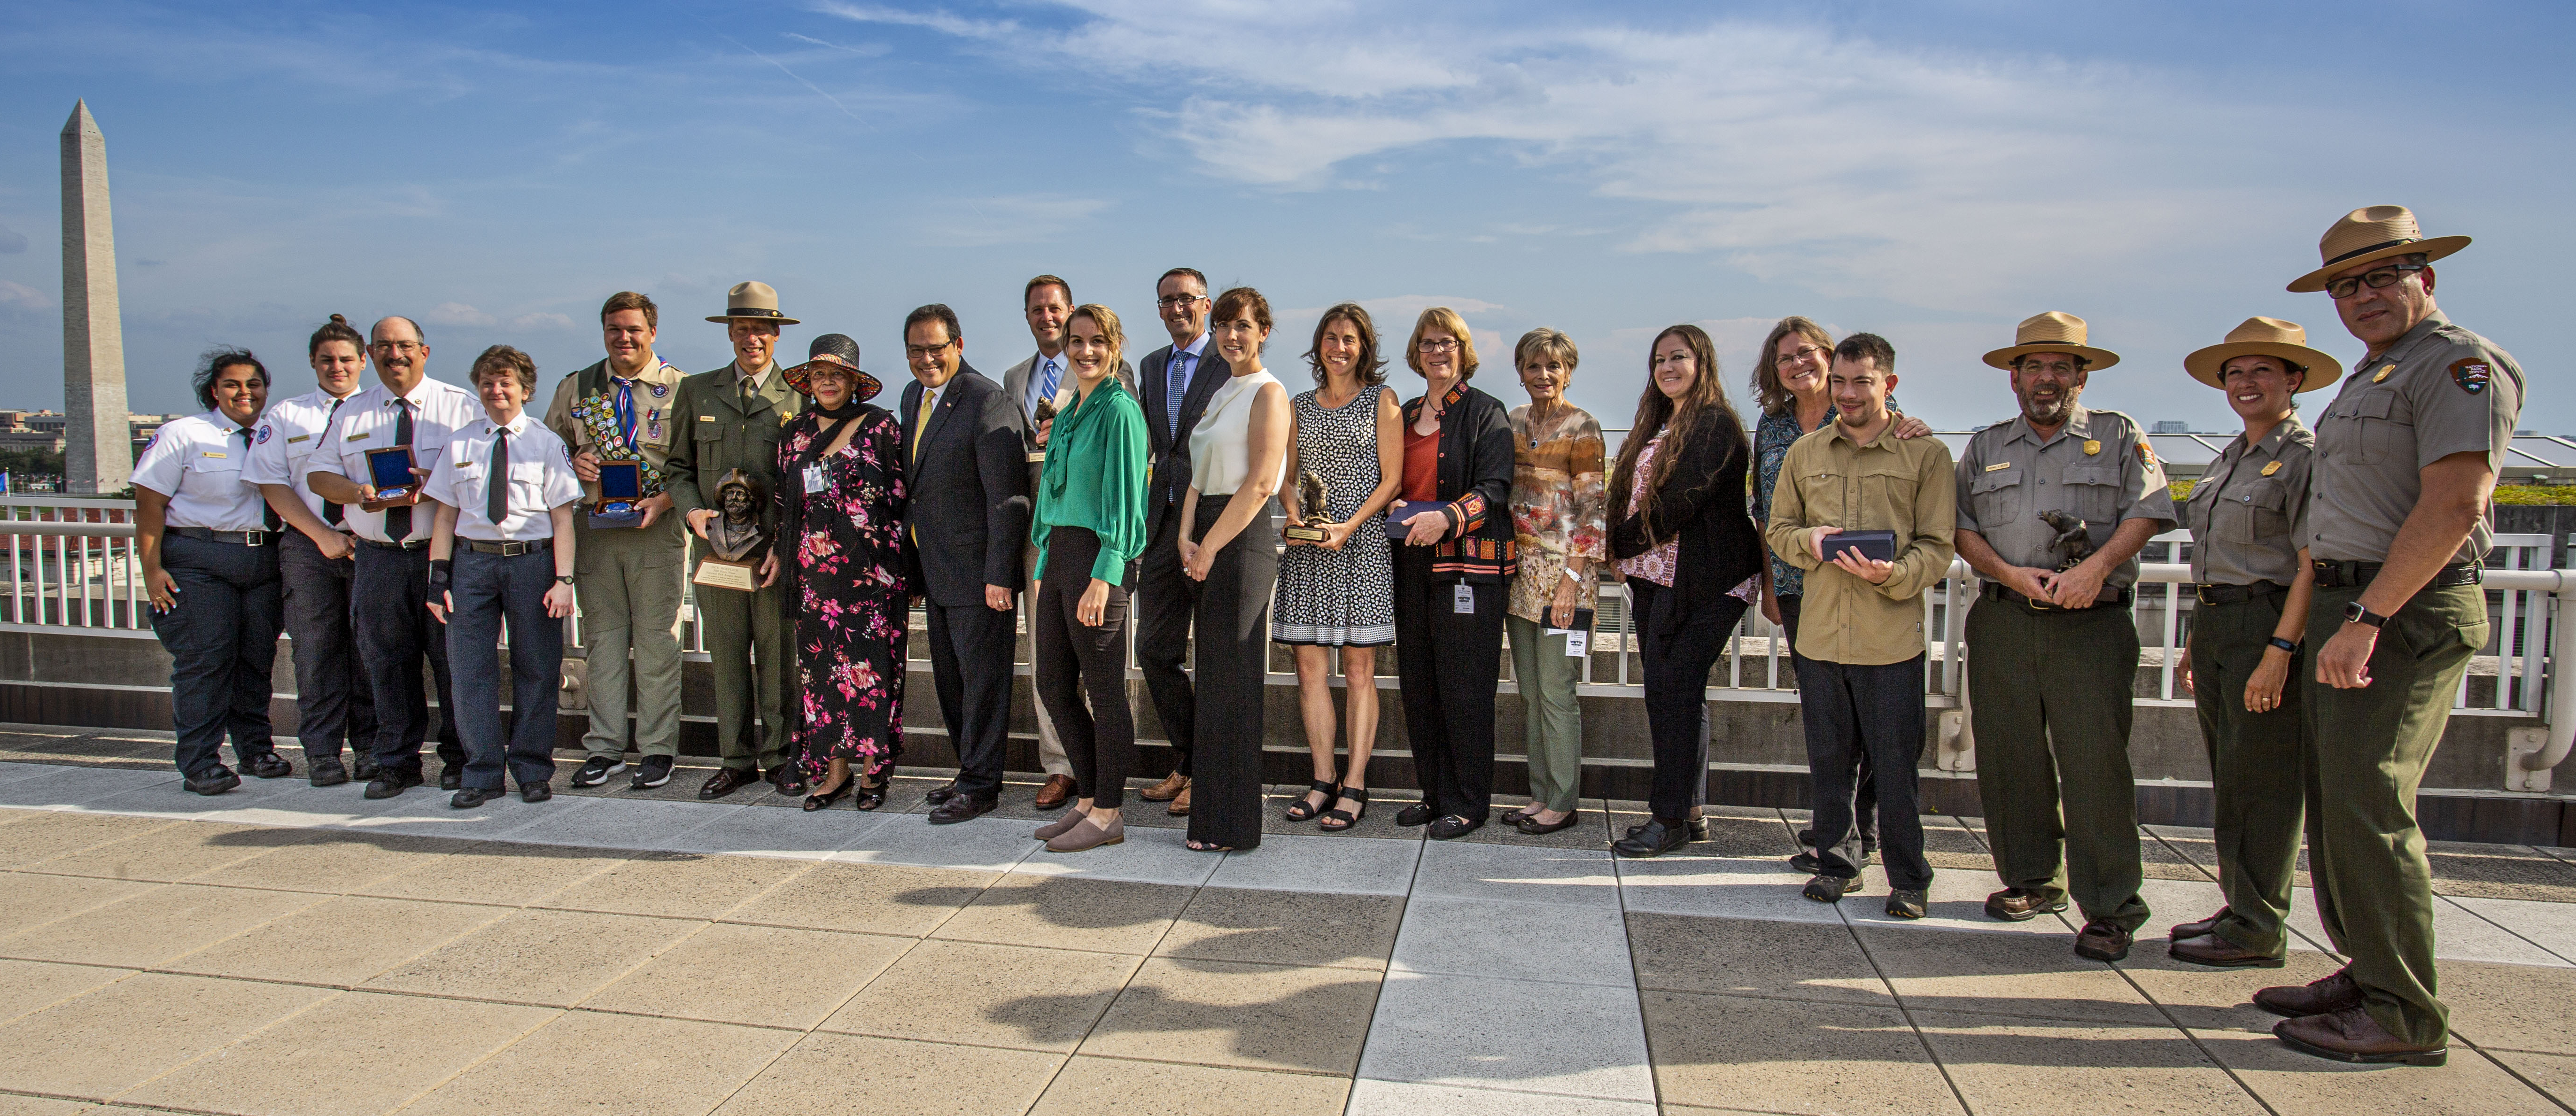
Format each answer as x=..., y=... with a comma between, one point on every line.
x=817, y=479
x=1462, y=599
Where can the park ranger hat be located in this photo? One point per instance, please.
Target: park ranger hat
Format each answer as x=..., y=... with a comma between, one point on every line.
x=2270, y=337
x=2373, y=233
x=2052, y=332
x=754, y=301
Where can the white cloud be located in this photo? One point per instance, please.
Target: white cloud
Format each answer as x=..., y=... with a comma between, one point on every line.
x=20, y=297
x=456, y=314
x=937, y=21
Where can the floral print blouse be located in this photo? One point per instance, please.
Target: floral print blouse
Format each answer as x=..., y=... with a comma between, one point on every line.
x=1559, y=505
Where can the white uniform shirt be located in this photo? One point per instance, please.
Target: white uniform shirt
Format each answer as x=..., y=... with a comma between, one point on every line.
x=197, y=462
x=287, y=436
x=541, y=479
x=367, y=421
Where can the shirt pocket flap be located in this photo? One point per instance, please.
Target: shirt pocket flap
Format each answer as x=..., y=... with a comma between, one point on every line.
x=2105, y=473
x=1990, y=482
x=2373, y=405
x=2269, y=495
x=710, y=431
x=205, y=464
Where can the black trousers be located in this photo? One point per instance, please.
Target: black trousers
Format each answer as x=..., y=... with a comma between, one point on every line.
x=1856, y=716
x=1166, y=601
x=1075, y=660
x=1233, y=624
x=489, y=589
x=1865, y=797
x=970, y=667
x=334, y=706
x=1447, y=665
x=1680, y=645
x=222, y=639
x=390, y=613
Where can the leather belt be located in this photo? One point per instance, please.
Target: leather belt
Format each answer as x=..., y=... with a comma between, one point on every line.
x=2216, y=594
x=415, y=544
x=2108, y=598
x=244, y=538
x=2356, y=575
x=509, y=549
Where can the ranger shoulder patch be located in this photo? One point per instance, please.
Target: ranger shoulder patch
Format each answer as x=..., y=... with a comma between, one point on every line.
x=2471, y=374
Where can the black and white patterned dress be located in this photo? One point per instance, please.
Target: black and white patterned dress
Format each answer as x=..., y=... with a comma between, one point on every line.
x=1343, y=598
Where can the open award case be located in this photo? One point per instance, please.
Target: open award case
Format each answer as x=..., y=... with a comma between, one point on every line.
x=389, y=472
x=621, y=486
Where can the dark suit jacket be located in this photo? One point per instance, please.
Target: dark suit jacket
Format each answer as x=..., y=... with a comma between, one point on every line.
x=1703, y=503
x=1171, y=475
x=966, y=491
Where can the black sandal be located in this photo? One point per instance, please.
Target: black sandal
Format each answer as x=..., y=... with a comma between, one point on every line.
x=1195, y=846
x=1301, y=809
x=823, y=800
x=872, y=797
x=1346, y=818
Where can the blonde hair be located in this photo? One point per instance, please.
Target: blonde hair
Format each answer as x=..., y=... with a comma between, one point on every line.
x=1107, y=320
x=1544, y=342
x=1443, y=318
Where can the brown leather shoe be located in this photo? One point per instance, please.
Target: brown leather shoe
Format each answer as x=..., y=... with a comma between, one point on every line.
x=2196, y=929
x=2219, y=953
x=1180, y=807
x=2325, y=996
x=2021, y=904
x=1057, y=791
x=2351, y=1035
x=1167, y=790
x=2102, y=941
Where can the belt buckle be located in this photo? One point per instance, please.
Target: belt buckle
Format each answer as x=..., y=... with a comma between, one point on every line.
x=2037, y=604
x=2201, y=593
x=254, y=538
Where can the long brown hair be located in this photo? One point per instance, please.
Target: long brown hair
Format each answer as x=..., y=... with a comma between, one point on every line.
x=1701, y=412
x=1769, y=394
x=1370, y=369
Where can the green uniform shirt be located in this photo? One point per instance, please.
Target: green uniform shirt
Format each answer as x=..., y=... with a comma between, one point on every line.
x=1095, y=479
x=722, y=429
x=2098, y=468
x=2438, y=391
x=1890, y=484
x=2250, y=508
x=655, y=396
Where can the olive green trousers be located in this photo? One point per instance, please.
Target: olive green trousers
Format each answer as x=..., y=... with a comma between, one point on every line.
x=2254, y=767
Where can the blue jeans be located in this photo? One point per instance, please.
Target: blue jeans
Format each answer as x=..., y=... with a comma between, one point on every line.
x=222, y=639
x=484, y=590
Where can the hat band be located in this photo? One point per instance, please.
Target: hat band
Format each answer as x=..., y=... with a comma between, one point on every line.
x=2372, y=248
x=752, y=312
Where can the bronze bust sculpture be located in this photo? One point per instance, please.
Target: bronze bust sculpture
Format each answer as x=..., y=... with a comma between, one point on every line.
x=736, y=536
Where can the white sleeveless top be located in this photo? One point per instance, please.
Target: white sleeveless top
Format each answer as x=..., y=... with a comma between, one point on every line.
x=1221, y=444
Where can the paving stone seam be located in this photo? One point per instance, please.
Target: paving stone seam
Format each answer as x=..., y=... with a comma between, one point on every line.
x=1412, y=880
x=2517, y=934
x=2516, y=1074
x=1957, y=1095
x=2188, y=1034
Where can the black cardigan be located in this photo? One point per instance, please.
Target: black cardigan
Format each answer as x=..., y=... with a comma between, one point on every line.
x=1703, y=503
x=1476, y=481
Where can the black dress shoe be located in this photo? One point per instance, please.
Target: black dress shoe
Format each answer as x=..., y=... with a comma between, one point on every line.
x=960, y=807
x=2102, y=941
x=941, y=793
x=787, y=780
x=392, y=781
x=326, y=772
x=270, y=765
x=452, y=777
x=1698, y=828
x=1655, y=838
x=363, y=765
x=727, y=780
x=469, y=798
x=1530, y=824
x=536, y=792
x=216, y=780
x=1417, y=814
x=1451, y=827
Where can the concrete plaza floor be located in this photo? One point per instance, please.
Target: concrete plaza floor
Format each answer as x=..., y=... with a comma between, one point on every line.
x=283, y=949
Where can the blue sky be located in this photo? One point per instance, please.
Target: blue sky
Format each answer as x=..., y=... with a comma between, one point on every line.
x=1930, y=171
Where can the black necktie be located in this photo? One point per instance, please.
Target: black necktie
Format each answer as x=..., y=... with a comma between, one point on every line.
x=496, y=480
x=332, y=513
x=398, y=520
x=267, y=515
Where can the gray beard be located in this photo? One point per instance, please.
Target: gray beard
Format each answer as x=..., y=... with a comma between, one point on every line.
x=2047, y=414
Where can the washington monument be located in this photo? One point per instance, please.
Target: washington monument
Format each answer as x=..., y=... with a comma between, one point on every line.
x=98, y=455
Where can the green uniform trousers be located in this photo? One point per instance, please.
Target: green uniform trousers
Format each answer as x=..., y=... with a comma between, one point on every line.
x=2366, y=756
x=751, y=646
x=1551, y=715
x=2254, y=763
x=630, y=584
x=2051, y=692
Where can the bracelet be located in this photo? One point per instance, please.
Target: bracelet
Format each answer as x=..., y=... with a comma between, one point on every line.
x=440, y=571
x=2283, y=644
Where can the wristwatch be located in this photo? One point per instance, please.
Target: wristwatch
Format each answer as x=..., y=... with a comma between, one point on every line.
x=563, y=579
x=2353, y=613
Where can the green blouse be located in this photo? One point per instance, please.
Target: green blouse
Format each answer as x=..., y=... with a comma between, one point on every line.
x=1095, y=479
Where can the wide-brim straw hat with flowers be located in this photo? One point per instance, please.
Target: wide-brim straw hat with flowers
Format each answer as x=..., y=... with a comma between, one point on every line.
x=2370, y=234
x=754, y=301
x=2270, y=337
x=837, y=351
x=2052, y=332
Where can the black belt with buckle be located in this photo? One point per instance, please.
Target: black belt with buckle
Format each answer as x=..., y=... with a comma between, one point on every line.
x=2108, y=598
x=509, y=549
x=2215, y=594
x=244, y=538
x=2356, y=575
x=415, y=544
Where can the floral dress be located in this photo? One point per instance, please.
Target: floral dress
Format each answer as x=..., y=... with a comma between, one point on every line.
x=846, y=575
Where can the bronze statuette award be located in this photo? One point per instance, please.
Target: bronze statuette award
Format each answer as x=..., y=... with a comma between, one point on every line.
x=735, y=542
x=1311, y=495
x=2074, y=542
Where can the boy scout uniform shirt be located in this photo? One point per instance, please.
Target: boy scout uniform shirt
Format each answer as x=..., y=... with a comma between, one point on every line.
x=2438, y=391
x=1891, y=484
x=2250, y=509
x=288, y=434
x=368, y=421
x=2098, y=468
x=656, y=391
x=540, y=479
x=197, y=462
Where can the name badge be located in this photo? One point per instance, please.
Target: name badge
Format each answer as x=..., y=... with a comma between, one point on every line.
x=1462, y=599
x=358, y=437
x=817, y=479
x=1999, y=465
x=1577, y=644
x=297, y=438
x=214, y=453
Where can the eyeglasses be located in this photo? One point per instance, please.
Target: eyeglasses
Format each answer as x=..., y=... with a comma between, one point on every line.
x=1169, y=301
x=2378, y=278
x=919, y=351
x=415, y=346
x=1435, y=346
x=1810, y=352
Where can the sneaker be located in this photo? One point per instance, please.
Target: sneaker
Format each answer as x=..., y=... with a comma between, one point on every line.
x=653, y=772
x=1830, y=889
x=1907, y=902
x=596, y=770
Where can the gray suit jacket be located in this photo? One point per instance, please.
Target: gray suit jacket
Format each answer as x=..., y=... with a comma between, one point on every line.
x=1015, y=383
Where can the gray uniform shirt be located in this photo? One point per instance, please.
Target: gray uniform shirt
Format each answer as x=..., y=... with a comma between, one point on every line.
x=2438, y=391
x=2098, y=468
x=2250, y=509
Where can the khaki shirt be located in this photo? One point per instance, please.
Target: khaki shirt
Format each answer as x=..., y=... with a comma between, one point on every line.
x=2250, y=508
x=2438, y=391
x=1889, y=484
x=656, y=392
x=2098, y=468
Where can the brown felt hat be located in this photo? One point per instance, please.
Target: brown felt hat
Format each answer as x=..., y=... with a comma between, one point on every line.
x=2052, y=332
x=2270, y=337
x=2373, y=233
x=754, y=301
